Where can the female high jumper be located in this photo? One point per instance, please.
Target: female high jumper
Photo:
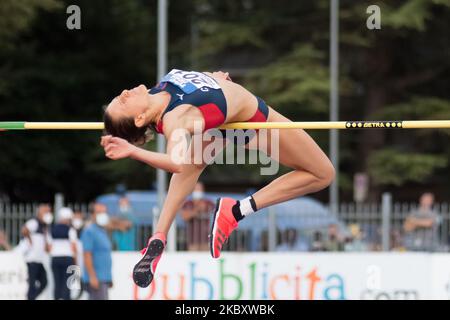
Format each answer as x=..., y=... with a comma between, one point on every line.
x=181, y=100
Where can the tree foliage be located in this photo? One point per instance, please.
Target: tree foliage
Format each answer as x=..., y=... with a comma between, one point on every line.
x=389, y=166
x=278, y=49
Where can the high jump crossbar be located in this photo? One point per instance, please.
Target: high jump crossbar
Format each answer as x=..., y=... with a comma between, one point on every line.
x=313, y=125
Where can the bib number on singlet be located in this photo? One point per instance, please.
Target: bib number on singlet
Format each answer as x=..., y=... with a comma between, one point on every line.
x=190, y=81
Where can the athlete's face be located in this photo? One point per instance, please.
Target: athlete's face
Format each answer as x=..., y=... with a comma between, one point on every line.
x=130, y=103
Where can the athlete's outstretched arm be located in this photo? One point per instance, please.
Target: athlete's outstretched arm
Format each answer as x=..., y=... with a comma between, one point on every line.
x=118, y=148
x=156, y=160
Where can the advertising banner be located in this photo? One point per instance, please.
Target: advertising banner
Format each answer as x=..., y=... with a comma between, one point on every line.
x=280, y=276
x=441, y=276
x=302, y=276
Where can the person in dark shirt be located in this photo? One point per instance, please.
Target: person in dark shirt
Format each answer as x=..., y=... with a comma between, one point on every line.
x=63, y=251
x=421, y=233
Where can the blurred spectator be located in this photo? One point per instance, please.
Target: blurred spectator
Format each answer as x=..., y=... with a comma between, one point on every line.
x=396, y=240
x=97, y=271
x=196, y=213
x=63, y=251
x=125, y=237
x=334, y=241
x=421, y=226
x=317, y=242
x=373, y=235
x=242, y=241
x=291, y=241
x=78, y=222
x=35, y=232
x=4, y=244
x=264, y=240
x=355, y=240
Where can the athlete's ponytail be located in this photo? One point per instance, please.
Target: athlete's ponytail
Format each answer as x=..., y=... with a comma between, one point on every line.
x=126, y=129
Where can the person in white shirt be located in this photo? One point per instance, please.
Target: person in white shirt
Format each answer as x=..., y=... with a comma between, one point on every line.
x=63, y=252
x=35, y=233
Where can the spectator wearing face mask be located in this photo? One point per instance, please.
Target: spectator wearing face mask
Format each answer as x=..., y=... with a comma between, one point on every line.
x=78, y=222
x=97, y=248
x=63, y=251
x=196, y=213
x=35, y=233
x=125, y=237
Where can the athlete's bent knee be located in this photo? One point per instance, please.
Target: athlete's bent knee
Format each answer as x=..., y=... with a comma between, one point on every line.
x=327, y=175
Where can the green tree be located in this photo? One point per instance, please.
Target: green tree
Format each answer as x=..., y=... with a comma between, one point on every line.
x=54, y=74
x=284, y=48
x=278, y=49
x=399, y=72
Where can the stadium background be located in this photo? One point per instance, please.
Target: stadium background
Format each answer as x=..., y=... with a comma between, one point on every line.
x=280, y=50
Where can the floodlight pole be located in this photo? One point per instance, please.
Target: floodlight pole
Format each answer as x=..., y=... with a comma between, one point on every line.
x=334, y=101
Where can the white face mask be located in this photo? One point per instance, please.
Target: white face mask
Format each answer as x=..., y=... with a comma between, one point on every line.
x=102, y=219
x=47, y=218
x=197, y=195
x=77, y=223
x=124, y=208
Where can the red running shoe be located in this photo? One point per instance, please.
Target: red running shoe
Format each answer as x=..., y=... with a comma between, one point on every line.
x=144, y=270
x=223, y=225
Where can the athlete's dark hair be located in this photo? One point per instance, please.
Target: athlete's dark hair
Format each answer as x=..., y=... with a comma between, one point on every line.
x=126, y=129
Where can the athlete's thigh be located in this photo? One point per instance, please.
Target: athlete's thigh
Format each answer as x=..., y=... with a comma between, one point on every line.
x=294, y=148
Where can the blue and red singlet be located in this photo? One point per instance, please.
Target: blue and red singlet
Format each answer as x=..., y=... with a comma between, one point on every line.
x=200, y=90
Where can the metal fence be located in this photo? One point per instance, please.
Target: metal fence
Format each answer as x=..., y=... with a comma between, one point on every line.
x=357, y=227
